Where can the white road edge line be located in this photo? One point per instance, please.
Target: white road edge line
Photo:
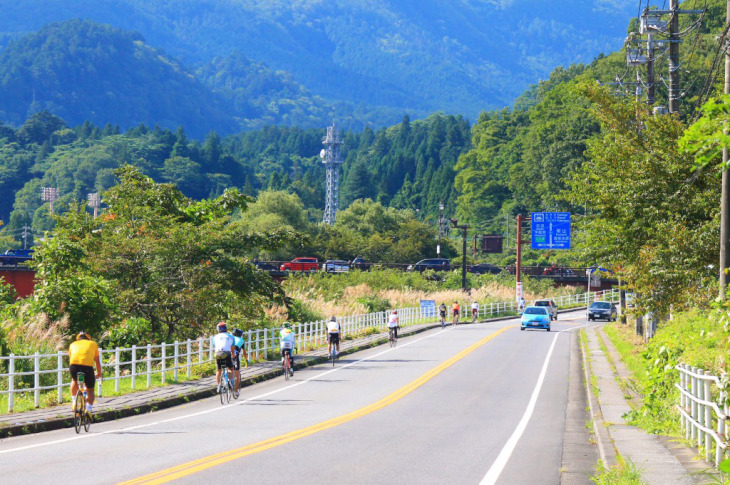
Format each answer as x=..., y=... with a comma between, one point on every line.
x=496, y=469
x=221, y=408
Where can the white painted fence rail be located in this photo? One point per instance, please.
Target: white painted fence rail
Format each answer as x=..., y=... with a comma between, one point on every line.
x=166, y=361
x=703, y=421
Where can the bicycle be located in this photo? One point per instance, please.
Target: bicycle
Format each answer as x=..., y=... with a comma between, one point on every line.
x=455, y=320
x=474, y=316
x=392, y=337
x=226, y=388
x=443, y=321
x=333, y=354
x=81, y=416
x=286, y=366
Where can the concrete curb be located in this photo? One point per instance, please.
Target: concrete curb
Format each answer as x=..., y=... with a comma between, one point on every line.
x=153, y=404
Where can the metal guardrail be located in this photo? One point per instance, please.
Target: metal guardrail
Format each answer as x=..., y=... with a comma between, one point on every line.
x=49, y=372
x=703, y=422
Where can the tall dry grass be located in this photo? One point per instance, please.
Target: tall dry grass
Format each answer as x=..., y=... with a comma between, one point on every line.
x=29, y=331
x=348, y=303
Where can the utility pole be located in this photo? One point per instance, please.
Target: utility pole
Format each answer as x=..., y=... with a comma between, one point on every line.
x=463, y=227
x=724, y=203
x=49, y=194
x=674, y=57
x=651, y=89
x=25, y=234
x=440, y=228
x=94, y=201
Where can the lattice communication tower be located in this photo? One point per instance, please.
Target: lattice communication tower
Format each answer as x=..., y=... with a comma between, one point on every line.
x=332, y=159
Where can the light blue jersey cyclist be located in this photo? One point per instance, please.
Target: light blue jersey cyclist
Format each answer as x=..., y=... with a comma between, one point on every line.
x=287, y=343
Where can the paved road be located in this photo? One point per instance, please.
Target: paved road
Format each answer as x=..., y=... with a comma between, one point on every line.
x=453, y=406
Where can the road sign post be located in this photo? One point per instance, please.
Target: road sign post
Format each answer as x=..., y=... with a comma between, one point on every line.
x=551, y=230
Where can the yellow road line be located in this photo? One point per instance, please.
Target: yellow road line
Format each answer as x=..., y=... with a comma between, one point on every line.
x=211, y=461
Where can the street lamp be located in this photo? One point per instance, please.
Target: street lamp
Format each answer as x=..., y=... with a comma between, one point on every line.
x=463, y=227
x=440, y=226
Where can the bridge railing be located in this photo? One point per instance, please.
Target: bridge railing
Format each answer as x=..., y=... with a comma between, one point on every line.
x=704, y=422
x=138, y=366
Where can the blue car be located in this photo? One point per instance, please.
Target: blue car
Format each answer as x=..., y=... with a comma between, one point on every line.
x=536, y=317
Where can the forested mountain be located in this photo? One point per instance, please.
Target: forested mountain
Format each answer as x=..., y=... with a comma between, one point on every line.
x=392, y=56
x=83, y=71
x=408, y=166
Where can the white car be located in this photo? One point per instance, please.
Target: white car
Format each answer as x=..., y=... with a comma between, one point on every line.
x=550, y=305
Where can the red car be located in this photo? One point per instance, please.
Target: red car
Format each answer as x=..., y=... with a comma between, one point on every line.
x=301, y=264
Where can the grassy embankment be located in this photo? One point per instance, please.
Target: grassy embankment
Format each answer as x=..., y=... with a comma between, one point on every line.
x=697, y=338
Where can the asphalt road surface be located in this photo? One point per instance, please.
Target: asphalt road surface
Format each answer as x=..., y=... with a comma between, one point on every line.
x=481, y=403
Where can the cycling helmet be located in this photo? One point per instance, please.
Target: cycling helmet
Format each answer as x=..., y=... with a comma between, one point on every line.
x=238, y=332
x=83, y=335
x=333, y=319
x=222, y=327
x=395, y=312
x=287, y=325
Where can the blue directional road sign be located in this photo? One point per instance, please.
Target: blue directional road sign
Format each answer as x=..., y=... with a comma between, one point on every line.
x=551, y=230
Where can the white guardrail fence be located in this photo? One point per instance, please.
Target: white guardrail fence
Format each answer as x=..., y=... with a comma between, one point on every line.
x=47, y=372
x=703, y=421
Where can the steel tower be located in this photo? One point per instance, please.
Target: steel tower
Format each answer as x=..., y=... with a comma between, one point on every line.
x=332, y=159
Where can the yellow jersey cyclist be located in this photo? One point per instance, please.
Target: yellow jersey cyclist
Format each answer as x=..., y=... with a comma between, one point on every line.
x=223, y=347
x=83, y=355
x=287, y=344
x=239, y=347
x=334, y=334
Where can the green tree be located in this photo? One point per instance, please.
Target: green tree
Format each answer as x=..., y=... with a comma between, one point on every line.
x=177, y=263
x=648, y=215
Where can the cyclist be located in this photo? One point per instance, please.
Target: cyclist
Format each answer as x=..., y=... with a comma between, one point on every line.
x=83, y=355
x=455, y=312
x=334, y=331
x=223, y=346
x=287, y=343
x=442, y=312
x=393, y=323
x=239, y=347
x=474, y=310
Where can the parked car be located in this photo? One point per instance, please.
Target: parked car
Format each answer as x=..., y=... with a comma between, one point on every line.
x=360, y=263
x=336, y=266
x=484, y=268
x=266, y=266
x=436, y=264
x=301, y=264
x=536, y=317
x=550, y=305
x=15, y=256
x=602, y=309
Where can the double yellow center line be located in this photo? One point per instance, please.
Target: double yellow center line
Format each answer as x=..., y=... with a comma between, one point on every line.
x=211, y=461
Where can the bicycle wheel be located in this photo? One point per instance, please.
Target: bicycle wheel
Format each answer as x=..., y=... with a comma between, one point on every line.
x=285, y=367
x=87, y=420
x=234, y=391
x=79, y=411
x=228, y=391
x=221, y=389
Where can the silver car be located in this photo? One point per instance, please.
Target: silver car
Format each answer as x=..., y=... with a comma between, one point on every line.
x=550, y=305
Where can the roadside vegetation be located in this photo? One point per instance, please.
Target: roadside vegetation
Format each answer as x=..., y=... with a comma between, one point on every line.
x=697, y=338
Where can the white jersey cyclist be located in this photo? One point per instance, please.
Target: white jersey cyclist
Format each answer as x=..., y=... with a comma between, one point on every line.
x=393, y=323
x=393, y=320
x=475, y=307
x=333, y=334
x=333, y=327
x=223, y=342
